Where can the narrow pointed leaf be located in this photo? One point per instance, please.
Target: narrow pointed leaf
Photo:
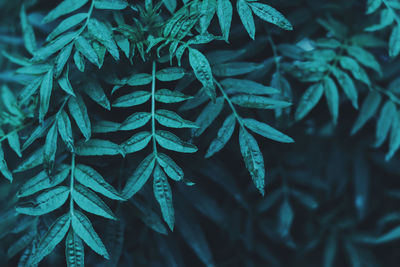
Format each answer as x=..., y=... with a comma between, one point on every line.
x=170, y=167
x=267, y=131
x=163, y=195
x=78, y=111
x=171, y=119
x=223, y=136
x=170, y=141
x=74, y=250
x=137, y=142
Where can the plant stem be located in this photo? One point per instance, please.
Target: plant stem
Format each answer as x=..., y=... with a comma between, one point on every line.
x=226, y=97
x=153, y=108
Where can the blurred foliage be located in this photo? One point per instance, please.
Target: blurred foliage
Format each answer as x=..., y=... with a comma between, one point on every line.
x=277, y=122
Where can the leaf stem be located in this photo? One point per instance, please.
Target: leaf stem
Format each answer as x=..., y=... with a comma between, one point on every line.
x=236, y=114
x=153, y=108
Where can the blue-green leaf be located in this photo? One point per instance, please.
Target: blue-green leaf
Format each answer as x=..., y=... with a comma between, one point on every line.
x=309, y=100
x=137, y=142
x=136, y=120
x=267, y=131
x=202, y=71
x=235, y=86
x=67, y=24
x=50, y=145
x=163, y=195
x=65, y=130
x=168, y=96
x=13, y=141
x=45, y=93
x=384, y=122
x=54, y=46
x=170, y=74
x=254, y=101
x=171, y=119
x=3, y=166
x=394, y=42
x=170, y=167
x=224, y=13
x=94, y=90
x=65, y=7
x=246, y=17
x=103, y=34
x=271, y=15
x=64, y=83
x=170, y=141
x=111, y=4
x=132, y=99
x=208, y=115
x=368, y=109
x=223, y=136
x=83, y=46
x=332, y=98
x=74, y=250
x=97, y=147
x=347, y=85
x=28, y=33
x=78, y=111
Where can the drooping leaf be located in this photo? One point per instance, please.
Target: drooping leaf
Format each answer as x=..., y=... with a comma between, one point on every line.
x=132, y=99
x=243, y=86
x=136, y=120
x=368, y=109
x=3, y=166
x=50, y=145
x=309, y=100
x=394, y=42
x=347, y=85
x=208, y=115
x=332, y=98
x=78, y=111
x=64, y=82
x=54, y=46
x=246, y=16
x=163, y=195
x=171, y=119
x=137, y=142
x=267, y=131
x=168, y=96
x=46, y=88
x=103, y=34
x=86, y=49
x=170, y=74
x=357, y=71
x=271, y=15
x=67, y=24
x=94, y=90
x=111, y=4
x=65, y=7
x=223, y=136
x=97, y=147
x=394, y=142
x=202, y=71
x=28, y=33
x=170, y=167
x=170, y=141
x=74, y=250
x=84, y=229
x=65, y=130
x=254, y=101
x=14, y=143
x=384, y=122
x=252, y=158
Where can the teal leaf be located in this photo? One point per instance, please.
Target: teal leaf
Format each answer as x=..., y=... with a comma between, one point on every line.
x=170, y=74
x=170, y=141
x=31, y=161
x=223, y=136
x=384, y=123
x=94, y=90
x=27, y=31
x=137, y=142
x=29, y=90
x=235, y=68
x=34, y=69
x=368, y=109
x=394, y=142
x=139, y=177
x=285, y=218
x=84, y=229
x=271, y=15
x=54, y=46
x=97, y=147
x=347, y=85
x=168, y=96
x=45, y=93
x=79, y=61
x=106, y=126
x=90, y=202
x=394, y=42
x=67, y=24
x=364, y=57
x=65, y=129
x=373, y=5
x=46, y=202
x=43, y=181
x=170, y=5
x=358, y=72
x=171, y=119
x=103, y=34
x=74, y=250
x=163, y=195
x=51, y=239
x=3, y=166
x=332, y=98
x=139, y=79
x=136, y=120
x=254, y=101
x=78, y=111
x=111, y=4
x=267, y=131
x=14, y=143
x=253, y=159
x=246, y=17
x=170, y=167
x=64, y=82
x=309, y=100
x=65, y=7
x=90, y=178
x=50, y=145
x=242, y=86
x=224, y=13
x=83, y=46
x=132, y=99
x=208, y=115
x=149, y=217
x=202, y=71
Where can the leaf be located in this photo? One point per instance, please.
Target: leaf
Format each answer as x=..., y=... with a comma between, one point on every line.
x=84, y=229
x=271, y=15
x=43, y=181
x=106, y=127
x=54, y=46
x=332, y=98
x=97, y=147
x=67, y=6
x=170, y=74
x=266, y=131
x=27, y=31
x=32, y=161
x=45, y=202
x=347, y=85
x=67, y=24
x=388, y=113
x=103, y=34
x=170, y=5
x=168, y=96
x=74, y=250
x=170, y=141
x=254, y=101
x=29, y=90
x=13, y=141
x=137, y=142
x=111, y=4
x=83, y=46
x=246, y=17
x=132, y=99
x=253, y=158
x=394, y=142
x=364, y=57
x=170, y=167
x=163, y=195
x=373, y=5
x=208, y=115
x=149, y=217
x=78, y=111
x=235, y=86
x=139, y=79
x=79, y=61
x=139, y=177
x=357, y=71
x=3, y=166
x=65, y=130
x=393, y=234
x=285, y=218
x=90, y=178
x=45, y=93
x=50, y=145
x=309, y=100
x=394, y=42
x=368, y=109
x=235, y=68
x=51, y=239
x=202, y=71
x=21, y=243
x=64, y=83
x=171, y=119
x=90, y=202
x=38, y=132
x=224, y=13
x=223, y=136
x=96, y=93
x=136, y=120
